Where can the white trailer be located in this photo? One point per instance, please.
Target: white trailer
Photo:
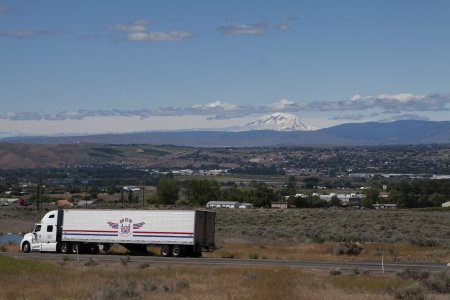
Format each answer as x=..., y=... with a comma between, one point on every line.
x=177, y=232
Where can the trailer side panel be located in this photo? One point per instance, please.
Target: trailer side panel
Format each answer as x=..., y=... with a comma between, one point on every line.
x=158, y=227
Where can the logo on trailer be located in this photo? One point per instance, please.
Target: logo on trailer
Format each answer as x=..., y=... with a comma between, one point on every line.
x=125, y=226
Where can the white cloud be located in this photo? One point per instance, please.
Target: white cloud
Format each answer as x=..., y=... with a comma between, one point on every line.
x=282, y=27
x=220, y=110
x=215, y=105
x=25, y=33
x=283, y=105
x=393, y=103
x=405, y=117
x=133, y=27
x=244, y=29
x=351, y=117
x=115, y=124
x=138, y=31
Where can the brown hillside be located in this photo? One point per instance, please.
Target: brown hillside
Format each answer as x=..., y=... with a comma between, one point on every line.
x=20, y=156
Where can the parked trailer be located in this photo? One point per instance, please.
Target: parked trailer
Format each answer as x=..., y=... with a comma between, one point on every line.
x=177, y=232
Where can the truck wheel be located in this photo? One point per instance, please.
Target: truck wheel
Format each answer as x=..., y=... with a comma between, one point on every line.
x=176, y=251
x=75, y=248
x=26, y=247
x=64, y=248
x=166, y=251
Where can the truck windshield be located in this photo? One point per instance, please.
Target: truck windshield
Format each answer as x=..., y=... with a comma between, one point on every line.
x=37, y=228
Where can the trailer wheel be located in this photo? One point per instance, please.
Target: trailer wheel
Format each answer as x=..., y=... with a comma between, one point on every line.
x=166, y=250
x=64, y=248
x=26, y=247
x=75, y=248
x=176, y=251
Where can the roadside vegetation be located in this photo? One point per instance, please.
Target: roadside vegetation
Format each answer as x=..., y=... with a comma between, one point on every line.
x=70, y=279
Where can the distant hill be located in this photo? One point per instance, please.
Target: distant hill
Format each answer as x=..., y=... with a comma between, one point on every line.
x=399, y=132
x=372, y=133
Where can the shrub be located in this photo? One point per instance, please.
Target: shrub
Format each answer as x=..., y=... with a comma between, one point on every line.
x=119, y=290
x=394, y=253
x=335, y=271
x=317, y=239
x=125, y=260
x=438, y=254
x=253, y=255
x=181, y=284
x=167, y=288
x=150, y=286
x=66, y=258
x=423, y=242
x=91, y=262
x=439, y=281
x=356, y=271
x=348, y=248
x=227, y=254
x=415, y=274
x=411, y=292
x=129, y=289
x=143, y=265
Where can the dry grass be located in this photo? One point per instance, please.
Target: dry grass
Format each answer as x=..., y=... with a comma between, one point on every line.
x=417, y=227
x=73, y=280
x=326, y=251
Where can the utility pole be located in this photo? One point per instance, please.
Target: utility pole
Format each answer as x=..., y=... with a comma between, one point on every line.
x=38, y=193
x=85, y=198
x=122, y=196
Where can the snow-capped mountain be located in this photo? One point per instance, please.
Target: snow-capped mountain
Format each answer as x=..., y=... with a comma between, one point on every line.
x=278, y=122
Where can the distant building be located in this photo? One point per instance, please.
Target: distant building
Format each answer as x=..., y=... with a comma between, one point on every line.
x=185, y=172
x=63, y=203
x=383, y=194
x=246, y=205
x=280, y=204
x=384, y=206
x=223, y=204
x=85, y=202
x=131, y=189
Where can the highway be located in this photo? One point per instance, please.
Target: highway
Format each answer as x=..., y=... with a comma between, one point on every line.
x=361, y=265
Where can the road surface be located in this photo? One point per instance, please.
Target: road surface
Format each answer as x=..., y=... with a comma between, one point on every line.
x=325, y=264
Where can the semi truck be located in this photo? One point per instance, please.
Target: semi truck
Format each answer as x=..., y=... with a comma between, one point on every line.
x=72, y=231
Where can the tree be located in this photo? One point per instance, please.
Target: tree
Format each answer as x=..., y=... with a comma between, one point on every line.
x=310, y=182
x=259, y=194
x=233, y=194
x=167, y=190
x=201, y=191
x=291, y=183
x=335, y=201
x=371, y=197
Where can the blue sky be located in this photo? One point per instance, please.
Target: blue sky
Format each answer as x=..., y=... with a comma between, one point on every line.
x=112, y=66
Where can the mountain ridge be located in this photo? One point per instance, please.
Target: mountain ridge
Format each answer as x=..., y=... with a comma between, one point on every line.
x=371, y=133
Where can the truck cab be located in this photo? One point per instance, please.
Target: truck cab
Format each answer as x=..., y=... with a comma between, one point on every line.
x=44, y=236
